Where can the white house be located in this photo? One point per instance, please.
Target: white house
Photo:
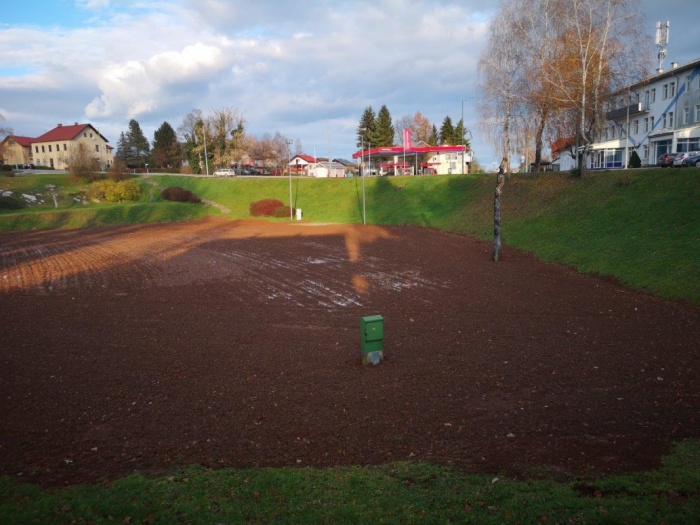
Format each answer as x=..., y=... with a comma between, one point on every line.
x=656, y=116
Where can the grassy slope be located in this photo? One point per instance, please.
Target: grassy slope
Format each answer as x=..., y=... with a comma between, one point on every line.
x=641, y=227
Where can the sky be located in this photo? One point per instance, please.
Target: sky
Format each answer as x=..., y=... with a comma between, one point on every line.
x=306, y=69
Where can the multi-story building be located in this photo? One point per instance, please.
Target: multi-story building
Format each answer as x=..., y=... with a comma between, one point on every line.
x=54, y=148
x=15, y=150
x=656, y=116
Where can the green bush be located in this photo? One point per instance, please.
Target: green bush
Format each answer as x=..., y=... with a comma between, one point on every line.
x=635, y=161
x=11, y=203
x=114, y=191
x=5, y=167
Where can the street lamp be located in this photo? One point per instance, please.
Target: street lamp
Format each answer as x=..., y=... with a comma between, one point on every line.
x=289, y=167
x=461, y=139
x=362, y=160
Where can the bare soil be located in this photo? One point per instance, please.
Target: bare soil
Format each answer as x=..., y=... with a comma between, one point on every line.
x=237, y=344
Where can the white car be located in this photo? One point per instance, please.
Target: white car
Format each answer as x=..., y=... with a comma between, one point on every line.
x=224, y=172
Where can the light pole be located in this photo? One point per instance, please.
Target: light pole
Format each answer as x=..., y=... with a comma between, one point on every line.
x=289, y=167
x=461, y=139
x=362, y=161
x=206, y=158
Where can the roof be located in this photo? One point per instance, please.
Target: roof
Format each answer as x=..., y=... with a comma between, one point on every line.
x=62, y=132
x=307, y=158
x=25, y=142
x=397, y=150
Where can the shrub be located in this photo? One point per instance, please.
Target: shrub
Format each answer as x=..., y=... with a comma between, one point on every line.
x=283, y=211
x=265, y=207
x=81, y=165
x=11, y=203
x=178, y=194
x=635, y=161
x=9, y=173
x=5, y=167
x=113, y=191
x=118, y=170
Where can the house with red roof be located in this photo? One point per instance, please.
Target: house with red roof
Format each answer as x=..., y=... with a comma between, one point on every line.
x=54, y=148
x=16, y=150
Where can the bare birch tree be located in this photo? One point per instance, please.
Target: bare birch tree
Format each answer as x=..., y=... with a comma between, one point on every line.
x=500, y=72
x=549, y=59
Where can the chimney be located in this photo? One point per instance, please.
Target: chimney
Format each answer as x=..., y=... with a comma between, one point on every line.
x=76, y=123
x=674, y=65
x=59, y=125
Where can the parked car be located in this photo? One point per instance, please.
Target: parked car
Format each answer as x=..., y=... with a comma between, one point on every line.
x=692, y=160
x=224, y=172
x=680, y=158
x=665, y=160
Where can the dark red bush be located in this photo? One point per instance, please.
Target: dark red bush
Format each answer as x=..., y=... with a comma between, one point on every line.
x=178, y=194
x=265, y=207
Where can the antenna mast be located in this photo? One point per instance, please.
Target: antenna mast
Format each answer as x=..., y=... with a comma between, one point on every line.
x=662, y=30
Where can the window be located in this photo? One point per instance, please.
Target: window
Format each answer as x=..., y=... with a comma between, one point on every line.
x=97, y=148
x=36, y=149
x=49, y=148
x=686, y=115
x=43, y=150
x=646, y=98
x=670, y=119
x=672, y=87
x=697, y=113
x=85, y=135
x=65, y=147
x=645, y=151
x=665, y=95
x=651, y=123
x=636, y=126
x=653, y=94
x=664, y=120
x=646, y=124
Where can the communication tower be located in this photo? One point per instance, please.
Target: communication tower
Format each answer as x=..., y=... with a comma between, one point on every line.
x=662, y=30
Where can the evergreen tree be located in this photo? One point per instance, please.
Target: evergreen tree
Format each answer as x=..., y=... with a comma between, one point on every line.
x=447, y=132
x=459, y=136
x=433, y=138
x=139, y=149
x=122, y=148
x=384, y=130
x=166, y=148
x=365, y=130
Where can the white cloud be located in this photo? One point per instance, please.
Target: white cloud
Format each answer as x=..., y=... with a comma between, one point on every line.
x=307, y=69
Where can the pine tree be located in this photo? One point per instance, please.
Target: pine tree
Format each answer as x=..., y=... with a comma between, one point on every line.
x=166, y=148
x=122, y=148
x=384, y=131
x=139, y=149
x=365, y=130
x=447, y=132
x=433, y=138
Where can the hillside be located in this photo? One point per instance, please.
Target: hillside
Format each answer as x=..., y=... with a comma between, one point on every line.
x=641, y=227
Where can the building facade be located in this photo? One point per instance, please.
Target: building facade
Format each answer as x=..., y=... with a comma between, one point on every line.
x=54, y=148
x=657, y=116
x=16, y=150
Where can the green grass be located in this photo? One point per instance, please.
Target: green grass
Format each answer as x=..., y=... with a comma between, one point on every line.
x=641, y=227
x=395, y=493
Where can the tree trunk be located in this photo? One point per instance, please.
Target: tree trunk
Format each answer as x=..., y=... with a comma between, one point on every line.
x=497, y=214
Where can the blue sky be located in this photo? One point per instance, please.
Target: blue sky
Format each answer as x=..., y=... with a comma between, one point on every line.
x=306, y=69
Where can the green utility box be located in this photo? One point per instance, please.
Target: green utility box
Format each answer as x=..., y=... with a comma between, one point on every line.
x=372, y=339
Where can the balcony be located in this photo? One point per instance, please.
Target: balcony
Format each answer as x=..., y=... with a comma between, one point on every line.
x=634, y=109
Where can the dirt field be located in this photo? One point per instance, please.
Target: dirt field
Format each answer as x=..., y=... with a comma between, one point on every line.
x=237, y=344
